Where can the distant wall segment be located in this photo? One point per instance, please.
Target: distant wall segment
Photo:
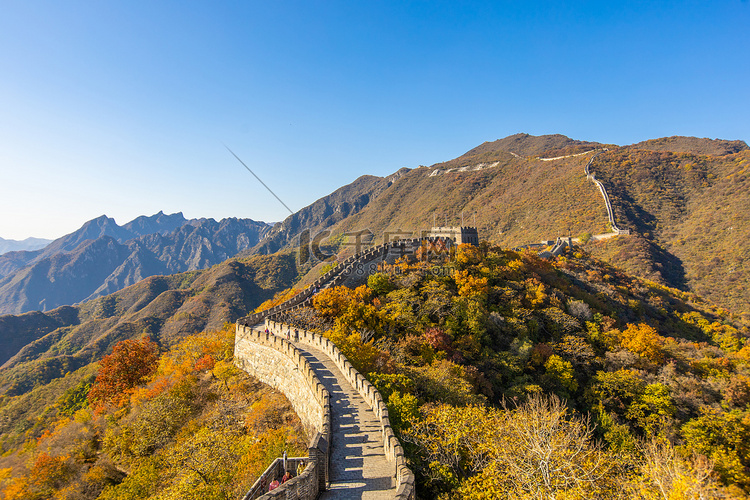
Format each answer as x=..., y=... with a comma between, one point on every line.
x=603, y=191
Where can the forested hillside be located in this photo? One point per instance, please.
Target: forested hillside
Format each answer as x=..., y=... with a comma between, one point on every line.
x=43, y=348
x=498, y=365
x=683, y=198
x=165, y=414
x=689, y=212
x=183, y=424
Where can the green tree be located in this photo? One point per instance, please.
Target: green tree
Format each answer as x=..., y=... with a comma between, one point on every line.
x=561, y=373
x=379, y=283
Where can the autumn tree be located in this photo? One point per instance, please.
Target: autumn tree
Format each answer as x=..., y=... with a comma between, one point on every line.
x=644, y=341
x=457, y=442
x=551, y=452
x=561, y=373
x=379, y=283
x=352, y=317
x=130, y=363
x=278, y=298
x=724, y=437
x=665, y=474
x=536, y=450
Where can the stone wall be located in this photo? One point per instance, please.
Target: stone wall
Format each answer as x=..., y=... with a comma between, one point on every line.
x=276, y=362
x=349, y=271
x=302, y=486
x=393, y=450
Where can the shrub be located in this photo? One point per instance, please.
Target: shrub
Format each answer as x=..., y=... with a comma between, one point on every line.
x=579, y=309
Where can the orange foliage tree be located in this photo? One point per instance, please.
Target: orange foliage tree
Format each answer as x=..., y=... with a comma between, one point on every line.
x=278, y=298
x=130, y=363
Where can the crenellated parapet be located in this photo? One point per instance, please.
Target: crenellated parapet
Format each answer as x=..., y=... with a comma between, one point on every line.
x=392, y=448
x=276, y=362
x=361, y=263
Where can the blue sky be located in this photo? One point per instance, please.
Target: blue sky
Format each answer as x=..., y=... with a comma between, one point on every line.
x=122, y=108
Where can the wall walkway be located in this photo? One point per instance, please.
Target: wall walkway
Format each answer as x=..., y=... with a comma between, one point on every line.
x=276, y=362
x=610, y=213
x=358, y=465
x=354, y=452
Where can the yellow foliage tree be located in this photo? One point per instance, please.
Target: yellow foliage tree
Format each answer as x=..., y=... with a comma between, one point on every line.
x=468, y=255
x=470, y=286
x=665, y=475
x=562, y=372
x=537, y=450
x=643, y=340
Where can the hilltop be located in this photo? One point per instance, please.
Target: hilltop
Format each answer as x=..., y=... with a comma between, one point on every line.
x=695, y=145
x=681, y=197
x=513, y=199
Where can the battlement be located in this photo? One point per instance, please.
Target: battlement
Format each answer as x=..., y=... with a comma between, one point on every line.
x=276, y=362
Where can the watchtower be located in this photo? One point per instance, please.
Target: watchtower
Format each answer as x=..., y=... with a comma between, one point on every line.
x=457, y=234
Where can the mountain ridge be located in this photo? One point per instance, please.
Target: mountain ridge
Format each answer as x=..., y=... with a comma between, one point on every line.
x=500, y=186
x=90, y=230
x=29, y=244
x=514, y=198
x=103, y=264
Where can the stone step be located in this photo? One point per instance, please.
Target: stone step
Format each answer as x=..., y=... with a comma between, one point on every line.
x=358, y=466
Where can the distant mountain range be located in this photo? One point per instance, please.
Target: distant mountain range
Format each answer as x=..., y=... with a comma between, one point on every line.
x=36, y=347
x=27, y=244
x=103, y=257
x=91, y=230
x=684, y=199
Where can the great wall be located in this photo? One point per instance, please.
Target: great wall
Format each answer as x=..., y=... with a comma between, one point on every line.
x=353, y=451
x=557, y=246
x=610, y=213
